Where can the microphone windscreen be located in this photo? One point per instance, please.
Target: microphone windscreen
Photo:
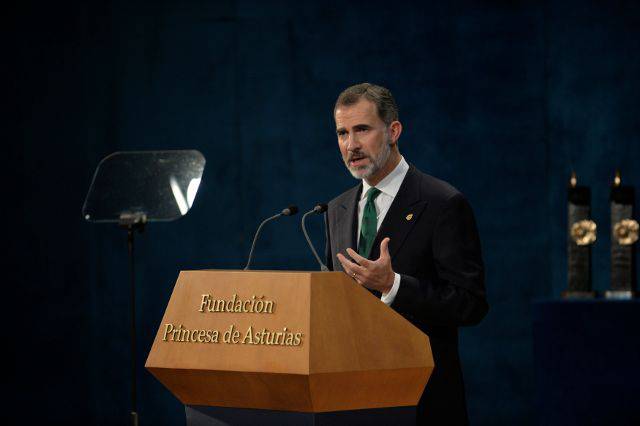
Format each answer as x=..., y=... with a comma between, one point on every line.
x=320, y=208
x=290, y=211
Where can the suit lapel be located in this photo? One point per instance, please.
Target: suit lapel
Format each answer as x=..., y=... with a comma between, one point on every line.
x=347, y=225
x=402, y=215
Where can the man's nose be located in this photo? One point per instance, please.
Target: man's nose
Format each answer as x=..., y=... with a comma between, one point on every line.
x=352, y=142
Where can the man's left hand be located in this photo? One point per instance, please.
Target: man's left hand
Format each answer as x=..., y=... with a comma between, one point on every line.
x=374, y=274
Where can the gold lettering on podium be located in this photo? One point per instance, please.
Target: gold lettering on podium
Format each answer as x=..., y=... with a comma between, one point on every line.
x=266, y=337
x=181, y=334
x=232, y=336
x=253, y=336
x=255, y=304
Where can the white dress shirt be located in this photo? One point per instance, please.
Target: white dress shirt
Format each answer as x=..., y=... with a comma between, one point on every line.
x=388, y=187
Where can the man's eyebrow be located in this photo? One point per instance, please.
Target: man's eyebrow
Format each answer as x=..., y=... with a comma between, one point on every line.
x=362, y=126
x=356, y=127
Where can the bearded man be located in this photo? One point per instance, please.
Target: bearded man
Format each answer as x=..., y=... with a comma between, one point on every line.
x=409, y=238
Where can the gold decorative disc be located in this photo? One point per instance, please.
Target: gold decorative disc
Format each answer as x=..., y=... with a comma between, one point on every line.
x=583, y=232
x=626, y=232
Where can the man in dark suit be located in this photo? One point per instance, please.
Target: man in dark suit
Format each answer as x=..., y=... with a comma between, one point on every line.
x=409, y=238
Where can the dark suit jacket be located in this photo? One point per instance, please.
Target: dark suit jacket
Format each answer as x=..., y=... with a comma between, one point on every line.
x=437, y=254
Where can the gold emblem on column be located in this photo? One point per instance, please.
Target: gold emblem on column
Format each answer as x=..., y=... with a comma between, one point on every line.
x=626, y=232
x=583, y=232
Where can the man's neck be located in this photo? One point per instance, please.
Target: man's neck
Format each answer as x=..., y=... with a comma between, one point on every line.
x=392, y=163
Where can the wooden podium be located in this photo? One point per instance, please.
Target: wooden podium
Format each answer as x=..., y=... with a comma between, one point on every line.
x=258, y=347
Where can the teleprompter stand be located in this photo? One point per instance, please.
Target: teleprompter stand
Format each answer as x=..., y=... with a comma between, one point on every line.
x=133, y=223
x=132, y=189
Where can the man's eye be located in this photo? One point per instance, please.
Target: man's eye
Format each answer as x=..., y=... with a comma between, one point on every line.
x=363, y=130
x=342, y=133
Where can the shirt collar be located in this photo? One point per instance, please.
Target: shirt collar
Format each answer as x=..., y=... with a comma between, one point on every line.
x=390, y=185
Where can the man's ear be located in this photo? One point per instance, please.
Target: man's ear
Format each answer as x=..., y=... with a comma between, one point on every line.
x=395, y=129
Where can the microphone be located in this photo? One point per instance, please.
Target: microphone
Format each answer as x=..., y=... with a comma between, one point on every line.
x=289, y=211
x=318, y=209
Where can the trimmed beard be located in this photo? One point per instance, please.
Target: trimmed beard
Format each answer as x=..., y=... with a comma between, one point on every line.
x=375, y=164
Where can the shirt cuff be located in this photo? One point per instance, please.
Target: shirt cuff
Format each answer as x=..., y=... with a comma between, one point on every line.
x=389, y=297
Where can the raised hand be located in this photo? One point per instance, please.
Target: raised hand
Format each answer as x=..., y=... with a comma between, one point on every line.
x=374, y=274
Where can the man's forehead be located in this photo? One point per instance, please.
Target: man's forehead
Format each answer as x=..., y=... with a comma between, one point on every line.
x=363, y=111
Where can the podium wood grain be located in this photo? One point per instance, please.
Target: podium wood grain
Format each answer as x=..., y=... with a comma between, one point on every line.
x=356, y=352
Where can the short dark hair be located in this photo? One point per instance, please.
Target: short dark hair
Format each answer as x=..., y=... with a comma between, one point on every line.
x=380, y=96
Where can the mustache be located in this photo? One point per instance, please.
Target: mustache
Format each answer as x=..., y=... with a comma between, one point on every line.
x=356, y=155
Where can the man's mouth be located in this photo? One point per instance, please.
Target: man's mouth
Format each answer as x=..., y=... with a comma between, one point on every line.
x=357, y=160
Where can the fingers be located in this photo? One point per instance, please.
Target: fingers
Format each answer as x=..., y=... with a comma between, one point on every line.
x=350, y=267
x=355, y=256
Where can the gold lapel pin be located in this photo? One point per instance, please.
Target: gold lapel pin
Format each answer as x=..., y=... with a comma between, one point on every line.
x=409, y=216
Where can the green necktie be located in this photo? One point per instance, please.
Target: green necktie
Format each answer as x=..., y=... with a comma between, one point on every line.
x=369, y=227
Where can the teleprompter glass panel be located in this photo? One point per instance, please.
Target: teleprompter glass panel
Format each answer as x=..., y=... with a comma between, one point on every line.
x=160, y=185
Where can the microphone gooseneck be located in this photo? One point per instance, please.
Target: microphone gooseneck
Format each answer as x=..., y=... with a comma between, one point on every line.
x=318, y=209
x=289, y=211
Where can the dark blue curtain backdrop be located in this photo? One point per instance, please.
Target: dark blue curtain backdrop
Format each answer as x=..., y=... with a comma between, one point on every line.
x=502, y=99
